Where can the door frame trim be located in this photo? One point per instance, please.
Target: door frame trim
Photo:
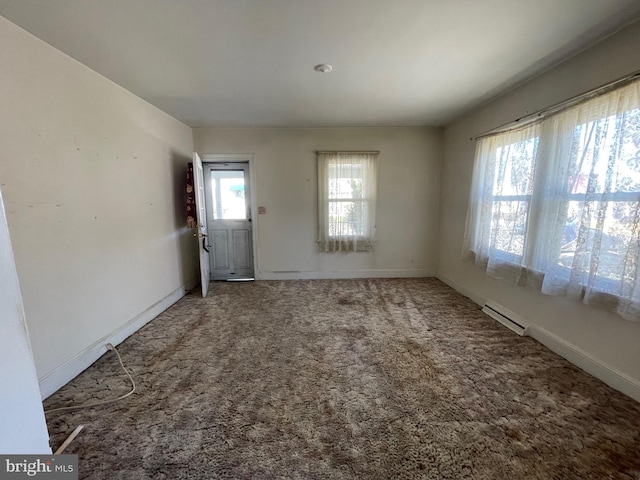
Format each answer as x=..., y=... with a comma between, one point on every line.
x=208, y=158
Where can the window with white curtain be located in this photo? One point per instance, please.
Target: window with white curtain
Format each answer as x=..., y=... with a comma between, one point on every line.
x=556, y=204
x=347, y=201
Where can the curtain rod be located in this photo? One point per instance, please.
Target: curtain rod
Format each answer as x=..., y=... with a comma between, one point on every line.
x=545, y=112
x=348, y=151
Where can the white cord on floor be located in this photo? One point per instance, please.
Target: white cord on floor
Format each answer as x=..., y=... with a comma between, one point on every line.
x=69, y=439
x=95, y=404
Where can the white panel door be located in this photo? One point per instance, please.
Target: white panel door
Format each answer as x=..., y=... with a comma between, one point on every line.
x=201, y=209
x=229, y=220
x=24, y=430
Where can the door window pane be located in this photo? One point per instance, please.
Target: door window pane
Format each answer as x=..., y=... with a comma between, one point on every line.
x=227, y=190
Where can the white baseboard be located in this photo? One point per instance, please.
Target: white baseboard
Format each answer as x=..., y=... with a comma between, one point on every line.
x=609, y=375
x=343, y=274
x=60, y=376
x=474, y=297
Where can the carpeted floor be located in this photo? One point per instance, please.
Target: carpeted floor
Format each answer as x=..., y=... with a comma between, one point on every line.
x=343, y=379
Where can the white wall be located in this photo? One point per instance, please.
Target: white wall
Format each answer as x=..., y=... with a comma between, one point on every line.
x=21, y=415
x=603, y=344
x=93, y=182
x=284, y=163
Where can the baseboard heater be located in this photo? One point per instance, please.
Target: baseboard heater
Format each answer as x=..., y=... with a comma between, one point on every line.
x=505, y=317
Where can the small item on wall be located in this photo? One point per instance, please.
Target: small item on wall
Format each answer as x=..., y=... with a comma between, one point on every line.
x=191, y=199
x=262, y=210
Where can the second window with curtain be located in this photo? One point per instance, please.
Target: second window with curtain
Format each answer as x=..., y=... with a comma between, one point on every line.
x=556, y=205
x=347, y=184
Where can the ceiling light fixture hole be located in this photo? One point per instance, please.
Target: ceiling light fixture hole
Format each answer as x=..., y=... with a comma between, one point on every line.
x=323, y=68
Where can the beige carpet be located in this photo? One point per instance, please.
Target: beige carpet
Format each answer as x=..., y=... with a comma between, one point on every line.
x=343, y=379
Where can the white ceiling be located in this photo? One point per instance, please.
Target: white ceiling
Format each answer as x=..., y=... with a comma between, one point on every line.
x=250, y=62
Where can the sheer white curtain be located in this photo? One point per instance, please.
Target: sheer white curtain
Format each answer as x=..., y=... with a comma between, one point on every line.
x=347, y=185
x=556, y=205
x=500, y=203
